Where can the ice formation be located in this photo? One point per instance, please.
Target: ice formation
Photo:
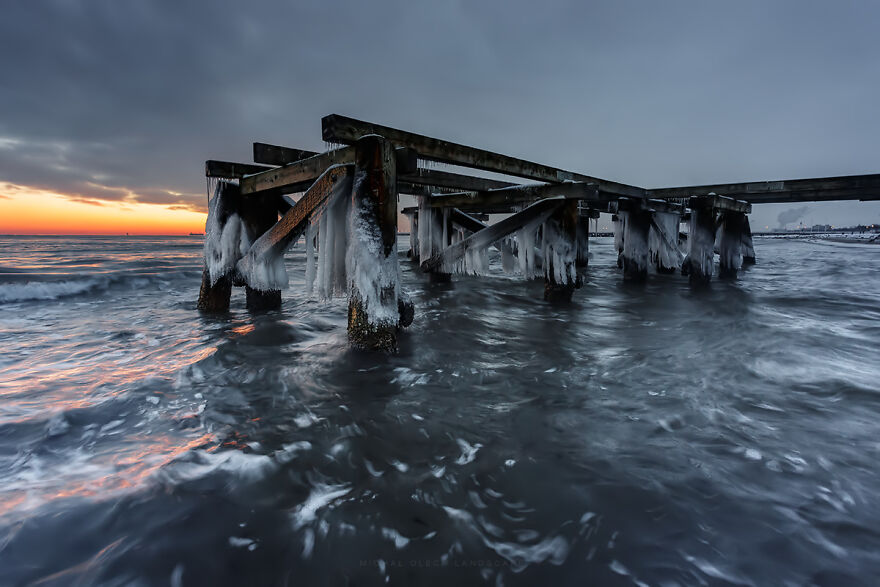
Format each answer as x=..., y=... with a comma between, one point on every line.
x=701, y=241
x=264, y=273
x=431, y=232
x=558, y=252
x=223, y=231
x=526, y=238
x=664, y=249
x=373, y=276
x=327, y=239
x=730, y=244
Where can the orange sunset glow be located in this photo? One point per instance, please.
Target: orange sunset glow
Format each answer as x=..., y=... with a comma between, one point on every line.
x=25, y=210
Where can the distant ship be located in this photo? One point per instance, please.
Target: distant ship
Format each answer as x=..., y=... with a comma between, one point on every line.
x=197, y=234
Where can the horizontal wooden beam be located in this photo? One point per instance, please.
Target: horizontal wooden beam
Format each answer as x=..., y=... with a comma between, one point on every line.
x=856, y=187
x=716, y=202
x=652, y=205
x=341, y=129
x=298, y=175
x=230, y=170
x=515, y=195
x=276, y=155
x=456, y=181
x=537, y=212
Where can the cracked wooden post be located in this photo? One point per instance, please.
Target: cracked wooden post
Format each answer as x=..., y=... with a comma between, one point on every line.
x=561, y=247
x=699, y=262
x=220, y=254
x=635, y=244
x=259, y=214
x=373, y=309
x=730, y=246
x=748, y=247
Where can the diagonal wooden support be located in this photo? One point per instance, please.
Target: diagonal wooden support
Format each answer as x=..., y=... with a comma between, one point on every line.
x=537, y=213
x=286, y=231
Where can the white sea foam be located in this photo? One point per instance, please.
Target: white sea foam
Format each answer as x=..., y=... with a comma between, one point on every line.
x=47, y=290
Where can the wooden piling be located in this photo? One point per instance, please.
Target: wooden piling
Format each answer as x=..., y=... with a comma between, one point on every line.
x=214, y=294
x=730, y=246
x=373, y=285
x=748, y=247
x=635, y=244
x=583, y=241
x=663, y=241
x=698, y=263
x=561, y=234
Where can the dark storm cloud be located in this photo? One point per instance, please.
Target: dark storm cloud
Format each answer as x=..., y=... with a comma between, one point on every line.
x=114, y=100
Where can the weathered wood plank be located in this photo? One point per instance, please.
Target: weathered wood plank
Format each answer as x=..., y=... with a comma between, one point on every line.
x=298, y=175
x=277, y=155
x=856, y=187
x=341, y=129
x=719, y=203
x=537, y=212
x=518, y=194
x=230, y=170
x=295, y=174
x=457, y=181
x=292, y=225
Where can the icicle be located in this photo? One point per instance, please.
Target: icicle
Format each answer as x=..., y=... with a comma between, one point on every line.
x=222, y=241
x=311, y=267
x=559, y=254
x=370, y=273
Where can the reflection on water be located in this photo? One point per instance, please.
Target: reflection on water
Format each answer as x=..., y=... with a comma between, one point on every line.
x=642, y=435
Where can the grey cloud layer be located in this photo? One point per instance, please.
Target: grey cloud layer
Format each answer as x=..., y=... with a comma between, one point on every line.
x=125, y=100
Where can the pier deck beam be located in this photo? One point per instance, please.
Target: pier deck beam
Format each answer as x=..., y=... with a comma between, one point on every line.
x=637, y=225
x=373, y=295
x=561, y=234
x=730, y=247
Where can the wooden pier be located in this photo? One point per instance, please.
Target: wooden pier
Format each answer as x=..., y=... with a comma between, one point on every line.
x=253, y=219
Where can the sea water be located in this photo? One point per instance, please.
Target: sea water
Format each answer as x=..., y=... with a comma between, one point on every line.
x=645, y=434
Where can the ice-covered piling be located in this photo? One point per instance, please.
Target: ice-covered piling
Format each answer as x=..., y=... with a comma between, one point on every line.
x=618, y=223
x=748, y=247
x=583, y=241
x=263, y=289
x=560, y=246
x=637, y=224
x=700, y=258
x=432, y=237
x=663, y=242
x=222, y=248
x=371, y=263
x=730, y=246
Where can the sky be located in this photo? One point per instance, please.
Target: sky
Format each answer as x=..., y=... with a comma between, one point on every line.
x=109, y=108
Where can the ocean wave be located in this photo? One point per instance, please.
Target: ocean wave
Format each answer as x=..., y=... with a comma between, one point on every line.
x=47, y=290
